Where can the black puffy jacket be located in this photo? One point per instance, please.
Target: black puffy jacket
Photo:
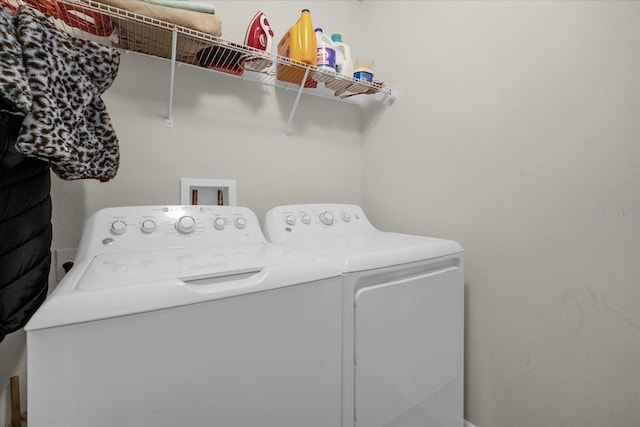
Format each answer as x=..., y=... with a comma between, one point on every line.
x=58, y=122
x=25, y=227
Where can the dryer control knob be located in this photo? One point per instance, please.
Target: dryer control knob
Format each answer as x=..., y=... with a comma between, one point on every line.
x=326, y=218
x=290, y=219
x=148, y=226
x=118, y=227
x=306, y=219
x=346, y=217
x=241, y=222
x=186, y=225
x=219, y=223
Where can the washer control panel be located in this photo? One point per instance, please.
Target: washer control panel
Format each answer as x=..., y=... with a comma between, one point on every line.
x=136, y=228
x=310, y=220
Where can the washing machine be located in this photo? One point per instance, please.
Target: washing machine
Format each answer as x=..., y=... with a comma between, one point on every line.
x=402, y=314
x=187, y=316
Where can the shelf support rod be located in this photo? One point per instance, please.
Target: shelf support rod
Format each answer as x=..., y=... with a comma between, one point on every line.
x=285, y=135
x=174, y=45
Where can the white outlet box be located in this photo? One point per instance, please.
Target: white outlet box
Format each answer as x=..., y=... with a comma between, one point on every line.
x=63, y=256
x=195, y=191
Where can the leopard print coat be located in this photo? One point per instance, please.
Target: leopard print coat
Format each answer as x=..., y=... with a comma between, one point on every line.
x=67, y=123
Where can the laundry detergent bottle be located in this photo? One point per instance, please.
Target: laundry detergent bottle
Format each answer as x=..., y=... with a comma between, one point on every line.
x=326, y=55
x=299, y=43
x=344, y=63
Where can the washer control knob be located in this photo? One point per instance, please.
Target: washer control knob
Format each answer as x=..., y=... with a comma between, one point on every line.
x=186, y=225
x=241, y=222
x=306, y=218
x=118, y=227
x=346, y=217
x=290, y=219
x=148, y=226
x=326, y=218
x=219, y=223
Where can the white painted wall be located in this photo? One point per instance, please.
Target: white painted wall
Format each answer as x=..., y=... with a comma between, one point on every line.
x=517, y=133
x=223, y=128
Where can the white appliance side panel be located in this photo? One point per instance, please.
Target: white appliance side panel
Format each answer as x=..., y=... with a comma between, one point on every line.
x=409, y=351
x=266, y=359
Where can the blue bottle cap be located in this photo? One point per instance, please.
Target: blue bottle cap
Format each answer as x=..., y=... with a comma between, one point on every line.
x=336, y=37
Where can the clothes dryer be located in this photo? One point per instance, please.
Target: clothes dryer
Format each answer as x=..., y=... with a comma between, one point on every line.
x=402, y=315
x=186, y=316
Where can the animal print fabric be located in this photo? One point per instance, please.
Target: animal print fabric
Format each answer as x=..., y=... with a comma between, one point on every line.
x=14, y=86
x=68, y=124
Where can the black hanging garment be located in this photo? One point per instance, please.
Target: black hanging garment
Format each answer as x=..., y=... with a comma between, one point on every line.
x=51, y=117
x=25, y=229
x=25, y=204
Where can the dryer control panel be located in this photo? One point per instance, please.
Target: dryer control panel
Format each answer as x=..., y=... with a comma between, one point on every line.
x=315, y=220
x=135, y=228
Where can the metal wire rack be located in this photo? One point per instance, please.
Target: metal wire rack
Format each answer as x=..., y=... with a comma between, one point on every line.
x=119, y=28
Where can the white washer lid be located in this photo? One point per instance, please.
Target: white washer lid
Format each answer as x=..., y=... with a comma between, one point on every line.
x=375, y=249
x=125, y=283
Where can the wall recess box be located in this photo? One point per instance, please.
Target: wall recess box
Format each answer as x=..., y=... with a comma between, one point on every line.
x=195, y=191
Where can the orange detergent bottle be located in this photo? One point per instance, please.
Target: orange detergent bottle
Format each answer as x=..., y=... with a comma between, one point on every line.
x=299, y=44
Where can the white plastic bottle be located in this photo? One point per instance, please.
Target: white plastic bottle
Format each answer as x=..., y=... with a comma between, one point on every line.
x=344, y=63
x=326, y=55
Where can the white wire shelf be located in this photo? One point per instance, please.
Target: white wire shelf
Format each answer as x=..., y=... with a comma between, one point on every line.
x=133, y=32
